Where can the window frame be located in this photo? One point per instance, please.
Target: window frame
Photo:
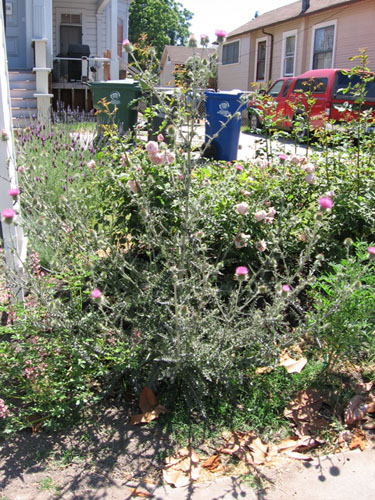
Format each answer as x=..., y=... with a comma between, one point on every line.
x=332, y=22
x=238, y=41
x=286, y=35
x=68, y=10
x=258, y=41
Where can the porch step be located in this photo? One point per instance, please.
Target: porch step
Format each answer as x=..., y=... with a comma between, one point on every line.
x=22, y=84
x=25, y=93
x=28, y=113
x=24, y=102
x=21, y=76
x=21, y=123
x=22, y=89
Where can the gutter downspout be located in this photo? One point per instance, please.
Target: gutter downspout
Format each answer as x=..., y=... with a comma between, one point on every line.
x=271, y=53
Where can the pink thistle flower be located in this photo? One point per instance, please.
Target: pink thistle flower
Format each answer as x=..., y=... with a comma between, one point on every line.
x=260, y=215
x=309, y=168
x=240, y=241
x=371, y=253
x=283, y=157
x=4, y=135
x=285, y=289
x=325, y=203
x=171, y=157
x=156, y=158
x=14, y=192
x=8, y=214
x=242, y=271
x=96, y=294
x=261, y=245
x=295, y=160
x=204, y=40
x=133, y=186
x=310, y=179
x=239, y=168
x=242, y=208
x=127, y=46
x=4, y=410
x=271, y=212
x=152, y=147
x=192, y=41
x=220, y=35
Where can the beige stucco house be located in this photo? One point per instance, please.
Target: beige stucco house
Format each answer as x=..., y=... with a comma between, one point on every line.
x=295, y=38
x=175, y=56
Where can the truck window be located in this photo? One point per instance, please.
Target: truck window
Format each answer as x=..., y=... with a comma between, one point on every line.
x=314, y=85
x=346, y=86
x=274, y=91
x=286, y=88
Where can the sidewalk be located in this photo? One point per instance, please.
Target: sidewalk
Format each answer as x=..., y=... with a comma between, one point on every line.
x=345, y=476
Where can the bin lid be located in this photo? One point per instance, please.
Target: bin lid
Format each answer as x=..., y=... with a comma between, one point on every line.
x=128, y=82
x=234, y=92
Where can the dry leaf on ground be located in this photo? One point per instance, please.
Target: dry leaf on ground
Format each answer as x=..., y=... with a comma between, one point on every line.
x=247, y=447
x=303, y=411
x=295, y=443
x=356, y=410
x=212, y=463
x=135, y=492
x=358, y=407
x=297, y=456
x=263, y=369
x=292, y=365
x=147, y=400
x=149, y=406
x=182, y=468
x=362, y=387
x=358, y=440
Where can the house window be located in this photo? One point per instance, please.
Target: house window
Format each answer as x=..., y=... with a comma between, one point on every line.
x=289, y=53
x=231, y=52
x=324, y=41
x=71, y=18
x=120, y=36
x=261, y=60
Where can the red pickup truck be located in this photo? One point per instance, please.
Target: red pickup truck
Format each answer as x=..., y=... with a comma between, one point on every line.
x=333, y=92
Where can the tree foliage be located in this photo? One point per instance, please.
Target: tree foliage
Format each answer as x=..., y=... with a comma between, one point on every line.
x=166, y=22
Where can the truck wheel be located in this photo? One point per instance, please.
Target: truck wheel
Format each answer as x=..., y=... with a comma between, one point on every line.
x=254, y=122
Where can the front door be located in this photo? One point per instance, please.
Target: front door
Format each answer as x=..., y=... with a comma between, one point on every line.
x=16, y=33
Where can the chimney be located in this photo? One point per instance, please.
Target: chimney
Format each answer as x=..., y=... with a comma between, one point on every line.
x=305, y=6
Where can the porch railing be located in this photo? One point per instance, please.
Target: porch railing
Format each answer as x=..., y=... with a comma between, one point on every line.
x=92, y=68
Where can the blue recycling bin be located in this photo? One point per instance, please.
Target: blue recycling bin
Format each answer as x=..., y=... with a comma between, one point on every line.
x=219, y=107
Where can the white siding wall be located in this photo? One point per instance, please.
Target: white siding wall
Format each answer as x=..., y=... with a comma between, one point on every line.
x=88, y=10
x=235, y=76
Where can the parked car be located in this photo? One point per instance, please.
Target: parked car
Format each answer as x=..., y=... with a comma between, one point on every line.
x=333, y=92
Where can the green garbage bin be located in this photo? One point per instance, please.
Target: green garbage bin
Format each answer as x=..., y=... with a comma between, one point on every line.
x=119, y=93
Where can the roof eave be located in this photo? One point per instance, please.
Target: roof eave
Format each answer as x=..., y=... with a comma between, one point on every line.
x=305, y=14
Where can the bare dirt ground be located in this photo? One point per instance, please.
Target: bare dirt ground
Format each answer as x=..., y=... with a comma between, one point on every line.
x=84, y=462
